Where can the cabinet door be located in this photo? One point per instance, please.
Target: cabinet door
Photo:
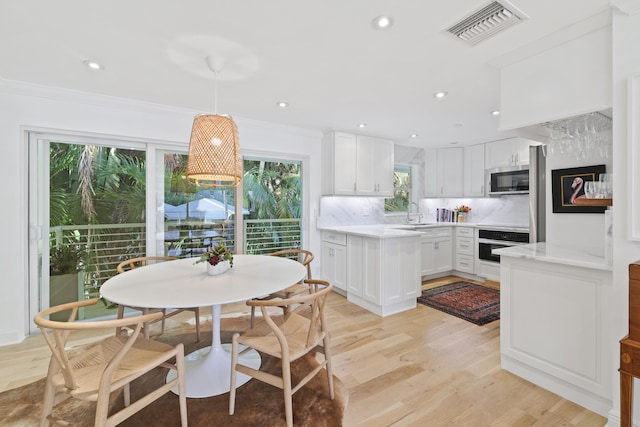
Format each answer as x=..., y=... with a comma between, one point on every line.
x=449, y=175
x=383, y=168
x=443, y=255
x=474, y=171
x=334, y=265
x=430, y=172
x=340, y=267
x=427, y=256
x=522, y=151
x=374, y=166
x=499, y=154
x=328, y=264
x=365, y=165
x=339, y=163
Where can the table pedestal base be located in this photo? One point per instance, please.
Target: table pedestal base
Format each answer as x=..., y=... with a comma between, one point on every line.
x=208, y=370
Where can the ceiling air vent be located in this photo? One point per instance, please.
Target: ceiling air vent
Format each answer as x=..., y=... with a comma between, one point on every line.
x=487, y=22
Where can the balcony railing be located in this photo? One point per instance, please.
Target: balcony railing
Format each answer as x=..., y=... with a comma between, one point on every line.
x=109, y=244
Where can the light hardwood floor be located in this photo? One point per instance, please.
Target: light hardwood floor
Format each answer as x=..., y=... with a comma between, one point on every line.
x=417, y=368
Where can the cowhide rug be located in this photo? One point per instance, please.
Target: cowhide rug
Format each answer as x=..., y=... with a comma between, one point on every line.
x=257, y=403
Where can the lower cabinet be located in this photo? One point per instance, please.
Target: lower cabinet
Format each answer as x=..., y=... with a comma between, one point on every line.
x=436, y=251
x=383, y=275
x=554, y=327
x=334, y=260
x=464, y=253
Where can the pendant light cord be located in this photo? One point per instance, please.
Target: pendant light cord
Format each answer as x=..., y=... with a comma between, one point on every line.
x=215, y=92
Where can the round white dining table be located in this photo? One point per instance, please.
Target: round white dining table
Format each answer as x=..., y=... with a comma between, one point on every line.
x=181, y=284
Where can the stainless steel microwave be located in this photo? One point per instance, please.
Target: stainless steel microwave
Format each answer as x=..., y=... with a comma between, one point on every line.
x=508, y=181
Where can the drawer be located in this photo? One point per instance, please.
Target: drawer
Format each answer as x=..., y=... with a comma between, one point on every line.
x=334, y=237
x=436, y=232
x=464, y=231
x=464, y=263
x=464, y=245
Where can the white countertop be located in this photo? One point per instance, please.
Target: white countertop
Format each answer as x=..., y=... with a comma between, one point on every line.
x=380, y=231
x=555, y=254
x=387, y=231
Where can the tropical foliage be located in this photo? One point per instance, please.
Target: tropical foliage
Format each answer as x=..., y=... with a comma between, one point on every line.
x=402, y=190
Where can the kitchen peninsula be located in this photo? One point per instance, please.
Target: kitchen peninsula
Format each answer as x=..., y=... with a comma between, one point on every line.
x=555, y=302
x=381, y=270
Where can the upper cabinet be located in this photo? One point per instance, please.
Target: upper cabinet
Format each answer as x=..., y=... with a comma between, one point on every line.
x=474, y=167
x=507, y=153
x=443, y=172
x=357, y=165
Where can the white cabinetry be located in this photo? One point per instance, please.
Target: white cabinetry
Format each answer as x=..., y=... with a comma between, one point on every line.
x=464, y=253
x=474, y=167
x=554, y=329
x=436, y=251
x=430, y=172
x=357, y=165
x=383, y=274
x=334, y=260
x=443, y=172
x=507, y=153
x=449, y=172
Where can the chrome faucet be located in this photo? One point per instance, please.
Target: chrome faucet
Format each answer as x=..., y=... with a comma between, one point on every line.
x=417, y=212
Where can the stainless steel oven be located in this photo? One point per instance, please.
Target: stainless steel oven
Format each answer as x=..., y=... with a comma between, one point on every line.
x=495, y=238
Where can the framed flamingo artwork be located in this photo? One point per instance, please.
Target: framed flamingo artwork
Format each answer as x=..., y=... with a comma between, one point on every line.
x=568, y=185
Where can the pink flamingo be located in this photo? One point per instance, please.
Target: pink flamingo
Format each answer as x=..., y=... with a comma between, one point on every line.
x=577, y=186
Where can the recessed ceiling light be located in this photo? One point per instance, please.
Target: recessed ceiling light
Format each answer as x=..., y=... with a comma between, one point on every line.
x=362, y=125
x=440, y=95
x=495, y=112
x=282, y=104
x=382, y=22
x=414, y=135
x=93, y=65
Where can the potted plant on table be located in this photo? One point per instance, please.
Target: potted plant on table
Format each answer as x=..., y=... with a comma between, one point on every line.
x=218, y=258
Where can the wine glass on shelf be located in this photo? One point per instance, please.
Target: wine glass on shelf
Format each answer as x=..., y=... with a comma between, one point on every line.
x=590, y=189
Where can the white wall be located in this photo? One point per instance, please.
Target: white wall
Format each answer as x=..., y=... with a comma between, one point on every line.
x=578, y=72
x=626, y=63
x=581, y=231
x=24, y=106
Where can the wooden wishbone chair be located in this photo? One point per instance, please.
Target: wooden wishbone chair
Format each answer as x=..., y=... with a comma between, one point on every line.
x=287, y=337
x=92, y=374
x=141, y=262
x=304, y=257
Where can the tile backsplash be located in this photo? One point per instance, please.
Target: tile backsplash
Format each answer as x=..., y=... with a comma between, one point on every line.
x=506, y=210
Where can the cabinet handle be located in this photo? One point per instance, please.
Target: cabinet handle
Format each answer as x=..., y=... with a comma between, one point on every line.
x=441, y=190
x=482, y=189
x=354, y=186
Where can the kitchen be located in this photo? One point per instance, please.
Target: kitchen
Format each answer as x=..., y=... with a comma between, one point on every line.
x=616, y=60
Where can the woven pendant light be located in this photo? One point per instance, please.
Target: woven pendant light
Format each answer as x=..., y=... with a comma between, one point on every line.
x=214, y=148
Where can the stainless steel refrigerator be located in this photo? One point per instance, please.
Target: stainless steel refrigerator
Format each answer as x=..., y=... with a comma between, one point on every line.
x=537, y=197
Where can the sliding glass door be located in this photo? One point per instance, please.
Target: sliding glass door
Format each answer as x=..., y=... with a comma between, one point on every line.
x=93, y=202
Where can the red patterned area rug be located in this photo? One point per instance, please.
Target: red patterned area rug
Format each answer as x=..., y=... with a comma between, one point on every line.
x=474, y=303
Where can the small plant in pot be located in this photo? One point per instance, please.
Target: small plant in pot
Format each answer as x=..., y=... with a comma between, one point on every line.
x=217, y=254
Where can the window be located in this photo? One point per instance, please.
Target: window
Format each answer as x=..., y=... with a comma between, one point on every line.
x=402, y=193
